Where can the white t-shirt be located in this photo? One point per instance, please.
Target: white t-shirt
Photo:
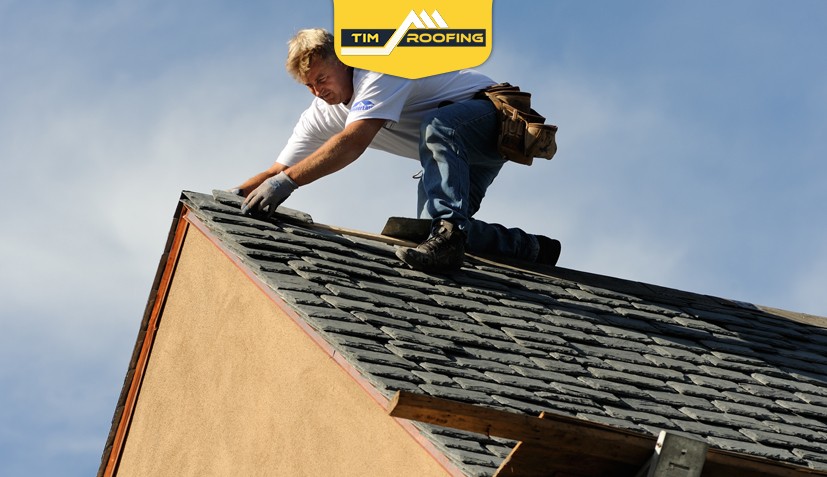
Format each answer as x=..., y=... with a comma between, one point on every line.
x=402, y=102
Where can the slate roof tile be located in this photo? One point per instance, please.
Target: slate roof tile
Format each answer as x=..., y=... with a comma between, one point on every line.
x=373, y=264
x=790, y=385
x=568, y=334
x=489, y=356
x=678, y=354
x=669, y=363
x=674, y=342
x=755, y=449
x=610, y=421
x=814, y=460
x=478, y=330
x=411, y=317
x=626, y=354
x=525, y=407
x=551, y=377
x=589, y=297
x=533, y=339
x=611, y=354
x=724, y=419
x=399, y=293
x=417, y=353
x=807, y=410
x=500, y=322
x=460, y=304
x=440, y=312
x=339, y=326
x=639, y=417
x=453, y=370
x=433, y=378
x=755, y=412
x=301, y=298
x=389, y=386
x=588, y=307
x=458, y=393
x=716, y=383
x=627, y=378
x=618, y=389
x=621, y=344
x=815, y=378
x=813, y=399
x=698, y=428
x=562, y=404
x=738, y=366
x=803, y=421
x=649, y=371
x=381, y=320
x=761, y=391
x=458, y=337
x=752, y=400
x=681, y=400
x=776, y=439
x=644, y=316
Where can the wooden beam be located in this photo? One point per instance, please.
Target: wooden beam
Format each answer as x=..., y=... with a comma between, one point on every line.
x=554, y=445
x=555, y=432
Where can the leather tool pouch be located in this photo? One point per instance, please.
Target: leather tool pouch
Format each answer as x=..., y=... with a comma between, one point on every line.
x=523, y=134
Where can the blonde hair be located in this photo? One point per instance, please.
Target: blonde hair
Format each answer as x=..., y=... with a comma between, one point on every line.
x=305, y=47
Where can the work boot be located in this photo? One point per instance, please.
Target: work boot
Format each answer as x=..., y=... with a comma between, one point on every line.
x=443, y=251
x=549, y=250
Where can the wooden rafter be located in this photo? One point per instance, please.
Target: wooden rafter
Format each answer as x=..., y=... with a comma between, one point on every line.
x=553, y=445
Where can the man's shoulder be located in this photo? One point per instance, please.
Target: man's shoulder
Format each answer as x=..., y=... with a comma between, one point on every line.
x=320, y=115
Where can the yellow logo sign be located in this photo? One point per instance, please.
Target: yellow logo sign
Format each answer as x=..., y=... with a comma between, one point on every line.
x=412, y=38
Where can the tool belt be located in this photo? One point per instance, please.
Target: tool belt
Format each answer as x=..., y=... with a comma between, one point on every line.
x=523, y=134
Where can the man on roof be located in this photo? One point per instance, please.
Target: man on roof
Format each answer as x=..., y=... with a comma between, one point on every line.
x=435, y=119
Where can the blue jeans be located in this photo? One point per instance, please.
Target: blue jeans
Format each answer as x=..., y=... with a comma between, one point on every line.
x=458, y=152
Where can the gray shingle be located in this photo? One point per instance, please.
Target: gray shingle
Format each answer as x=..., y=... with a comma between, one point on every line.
x=754, y=449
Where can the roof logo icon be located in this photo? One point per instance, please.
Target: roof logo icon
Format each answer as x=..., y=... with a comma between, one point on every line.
x=421, y=21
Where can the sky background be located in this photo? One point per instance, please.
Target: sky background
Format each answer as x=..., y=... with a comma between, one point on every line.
x=692, y=149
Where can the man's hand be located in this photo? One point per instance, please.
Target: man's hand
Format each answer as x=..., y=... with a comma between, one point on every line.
x=271, y=193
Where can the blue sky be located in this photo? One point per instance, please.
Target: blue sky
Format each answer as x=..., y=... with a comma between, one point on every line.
x=692, y=146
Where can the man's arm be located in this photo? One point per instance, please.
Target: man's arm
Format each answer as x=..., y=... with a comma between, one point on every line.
x=352, y=142
x=336, y=153
x=339, y=151
x=250, y=184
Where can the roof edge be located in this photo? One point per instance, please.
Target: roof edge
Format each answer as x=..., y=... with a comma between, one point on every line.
x=123, y=409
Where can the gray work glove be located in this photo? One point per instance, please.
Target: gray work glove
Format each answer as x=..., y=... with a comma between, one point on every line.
x=271, y=193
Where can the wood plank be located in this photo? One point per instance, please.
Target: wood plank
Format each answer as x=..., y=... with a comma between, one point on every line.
x=554, y=445
x=557, y=432
x=528, y=460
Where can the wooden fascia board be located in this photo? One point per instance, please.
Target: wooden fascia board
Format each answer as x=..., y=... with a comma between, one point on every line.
x=551, y=435
x=338, y=358
x=149, y=325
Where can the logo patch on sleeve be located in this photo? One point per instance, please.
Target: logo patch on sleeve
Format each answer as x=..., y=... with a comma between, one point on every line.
x=363, y=105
